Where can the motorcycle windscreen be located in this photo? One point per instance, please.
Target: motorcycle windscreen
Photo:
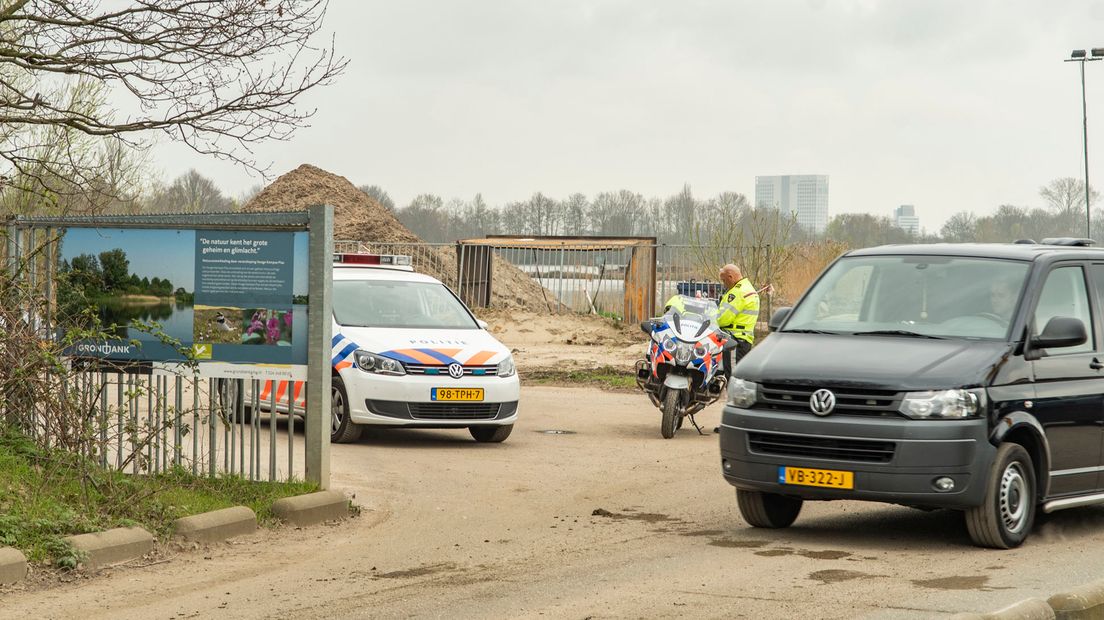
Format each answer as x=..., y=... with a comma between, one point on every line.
x=697, y=321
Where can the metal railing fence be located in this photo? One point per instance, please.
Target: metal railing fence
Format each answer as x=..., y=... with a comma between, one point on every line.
x=573, y=278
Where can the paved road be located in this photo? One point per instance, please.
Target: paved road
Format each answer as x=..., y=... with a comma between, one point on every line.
x=456, y=529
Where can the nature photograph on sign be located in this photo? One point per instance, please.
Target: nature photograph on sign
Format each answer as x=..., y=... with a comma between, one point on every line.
x=266, y=326
x=162, y=292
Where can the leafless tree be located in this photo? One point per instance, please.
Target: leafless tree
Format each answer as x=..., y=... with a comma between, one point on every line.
x=1066, y=196
x=217, y=75
x=381, y=196
x=191, y=192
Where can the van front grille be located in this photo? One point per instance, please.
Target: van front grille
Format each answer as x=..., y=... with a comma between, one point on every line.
x=835, y=448
x=849, y=400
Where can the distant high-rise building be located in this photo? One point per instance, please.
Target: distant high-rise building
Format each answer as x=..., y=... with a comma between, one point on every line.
x=905, y=218
x=803, y=194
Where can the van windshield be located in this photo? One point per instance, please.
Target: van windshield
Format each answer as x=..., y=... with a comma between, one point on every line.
x=392, y=303
x=918, y=296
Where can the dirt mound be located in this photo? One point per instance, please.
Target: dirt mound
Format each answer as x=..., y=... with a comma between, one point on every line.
x=560, y=342
x=359, y=217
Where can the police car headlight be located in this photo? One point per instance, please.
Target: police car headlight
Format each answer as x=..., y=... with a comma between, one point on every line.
x=506, y=367
x=742, y=393
x=940, y=404
x=370, y=362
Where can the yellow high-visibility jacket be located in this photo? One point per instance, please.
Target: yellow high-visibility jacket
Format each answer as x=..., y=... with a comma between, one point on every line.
x=740, y=311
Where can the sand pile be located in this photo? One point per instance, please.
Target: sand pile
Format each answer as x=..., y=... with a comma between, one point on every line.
x=358, y=217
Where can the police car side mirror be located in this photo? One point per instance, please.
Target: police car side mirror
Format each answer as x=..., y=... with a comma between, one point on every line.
x=778, y=318
x=481, y=323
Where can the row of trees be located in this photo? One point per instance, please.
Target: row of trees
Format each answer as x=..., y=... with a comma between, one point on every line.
x=684, y=218
x=109, y=274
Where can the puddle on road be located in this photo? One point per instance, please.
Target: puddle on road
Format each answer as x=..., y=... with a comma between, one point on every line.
x=972, y=582
x=827, y=554
x=837, y=575
x=421, y=571
x=730, y=543
x=703, y=533
x=647, y=517
x=824, y=555
x=774, y=553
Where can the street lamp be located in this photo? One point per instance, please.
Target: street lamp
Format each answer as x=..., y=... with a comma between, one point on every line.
x=1079, y=56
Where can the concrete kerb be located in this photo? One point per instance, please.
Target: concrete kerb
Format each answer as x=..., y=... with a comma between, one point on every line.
x=1082, y=603
x=1085, y=601
x=112, y=546
x=217, y=525
x=13, y=565
x=100, y=549
x=1030, y=609
x=311, y=508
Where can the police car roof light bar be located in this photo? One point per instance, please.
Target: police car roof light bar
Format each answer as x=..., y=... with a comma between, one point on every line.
x=373, y=259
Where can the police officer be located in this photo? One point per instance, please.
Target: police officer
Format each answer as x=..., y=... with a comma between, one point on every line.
x=739, y=311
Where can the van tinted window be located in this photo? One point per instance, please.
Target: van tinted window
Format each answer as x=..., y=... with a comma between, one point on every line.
x=939, y=296
x=1064, y=294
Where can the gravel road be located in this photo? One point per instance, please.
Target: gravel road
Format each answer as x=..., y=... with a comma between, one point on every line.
x=607, y=520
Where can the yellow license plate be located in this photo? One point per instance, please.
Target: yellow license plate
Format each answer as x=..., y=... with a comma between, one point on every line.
x=454, y=394
x=830, y=478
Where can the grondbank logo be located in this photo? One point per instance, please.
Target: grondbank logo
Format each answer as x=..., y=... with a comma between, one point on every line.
x=105, y=348
x=201, y=351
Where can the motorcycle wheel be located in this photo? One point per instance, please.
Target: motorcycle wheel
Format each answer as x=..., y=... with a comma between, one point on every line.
x=671, y=413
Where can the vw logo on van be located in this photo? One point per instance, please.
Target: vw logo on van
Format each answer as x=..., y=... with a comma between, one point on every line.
x=456, y=371
x=822, y=402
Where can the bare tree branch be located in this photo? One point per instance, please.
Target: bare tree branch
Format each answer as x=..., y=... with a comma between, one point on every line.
x=217, y=75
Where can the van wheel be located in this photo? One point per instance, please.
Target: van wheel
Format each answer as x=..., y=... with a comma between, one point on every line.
x=342, y=429
x=491, y=434
x=768, y=509
x=1005, y=517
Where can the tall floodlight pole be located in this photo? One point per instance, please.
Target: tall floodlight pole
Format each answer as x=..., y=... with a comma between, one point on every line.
x=1079, y=56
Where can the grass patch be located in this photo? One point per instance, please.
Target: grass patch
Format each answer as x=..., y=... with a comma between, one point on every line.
x=606, y=377
x=46, y=495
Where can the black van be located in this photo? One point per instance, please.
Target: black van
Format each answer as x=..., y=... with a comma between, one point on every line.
x=938, y=376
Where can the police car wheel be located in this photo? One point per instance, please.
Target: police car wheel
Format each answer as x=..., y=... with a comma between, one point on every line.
x=342, y=429
x=491, y=434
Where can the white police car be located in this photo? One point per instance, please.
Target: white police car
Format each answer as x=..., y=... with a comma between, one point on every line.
x=408, y=353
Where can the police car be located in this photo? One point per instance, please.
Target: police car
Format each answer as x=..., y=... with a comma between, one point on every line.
x=408, y=353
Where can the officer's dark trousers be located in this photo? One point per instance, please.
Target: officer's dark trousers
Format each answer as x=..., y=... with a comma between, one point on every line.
x=733, y=354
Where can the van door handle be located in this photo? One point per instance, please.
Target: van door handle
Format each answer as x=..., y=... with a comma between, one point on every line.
x=1095, y=364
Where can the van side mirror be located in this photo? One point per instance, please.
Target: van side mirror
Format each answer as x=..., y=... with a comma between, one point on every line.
x=1061, y=331
x=778, y=318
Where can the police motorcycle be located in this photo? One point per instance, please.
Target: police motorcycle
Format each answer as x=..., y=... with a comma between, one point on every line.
x=681, y=372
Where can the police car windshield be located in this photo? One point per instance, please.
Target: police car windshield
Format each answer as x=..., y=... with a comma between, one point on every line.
x=926, y=296
x=393, y=303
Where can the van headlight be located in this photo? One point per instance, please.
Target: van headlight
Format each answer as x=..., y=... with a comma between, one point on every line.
x=506, y=367
x=940, y=404
x=370, y=362
x=742, y=393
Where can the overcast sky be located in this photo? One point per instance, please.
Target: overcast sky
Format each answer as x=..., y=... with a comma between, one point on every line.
x=947, y=105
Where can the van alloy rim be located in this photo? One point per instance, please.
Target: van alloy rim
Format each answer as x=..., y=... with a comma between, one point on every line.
x=337, y=408
x=1013, y=498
